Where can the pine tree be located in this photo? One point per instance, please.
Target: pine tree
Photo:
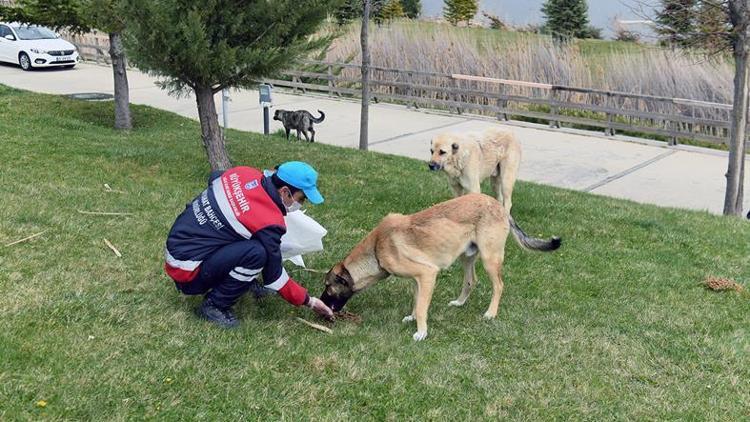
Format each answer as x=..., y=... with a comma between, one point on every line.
x=392, y=10
x=712, y=26
x=456, y=11
x=676, y=22
x=412, y=8
x=203, y=47
x=566, y=19
x=349, y=10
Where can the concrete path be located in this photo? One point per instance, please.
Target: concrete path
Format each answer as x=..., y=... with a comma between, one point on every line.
x=639, y=170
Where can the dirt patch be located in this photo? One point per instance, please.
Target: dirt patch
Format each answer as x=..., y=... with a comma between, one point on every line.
x=348, y=316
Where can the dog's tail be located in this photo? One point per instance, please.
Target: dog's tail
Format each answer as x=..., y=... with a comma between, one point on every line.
x=531, y=243
x=319, y=119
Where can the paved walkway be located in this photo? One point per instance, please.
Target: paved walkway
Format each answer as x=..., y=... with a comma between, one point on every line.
x=621, y=167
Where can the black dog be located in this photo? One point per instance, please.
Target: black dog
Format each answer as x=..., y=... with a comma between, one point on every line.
x=300, y=120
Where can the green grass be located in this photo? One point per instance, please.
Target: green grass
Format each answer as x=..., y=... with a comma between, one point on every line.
x=613, y=326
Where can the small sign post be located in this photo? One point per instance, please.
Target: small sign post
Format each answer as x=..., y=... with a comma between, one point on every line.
x=265, y=102
x=225, y=109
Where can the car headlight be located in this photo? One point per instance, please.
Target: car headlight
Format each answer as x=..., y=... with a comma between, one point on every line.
x=38, y=51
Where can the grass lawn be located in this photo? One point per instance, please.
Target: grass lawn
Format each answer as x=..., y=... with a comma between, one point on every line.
x=613, y=326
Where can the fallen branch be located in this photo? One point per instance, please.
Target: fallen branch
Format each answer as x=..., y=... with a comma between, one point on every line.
x=104, y=213
x=25, y=238
x=111, y=246
x=109, y=189
x=310, y=270
x=316, y=326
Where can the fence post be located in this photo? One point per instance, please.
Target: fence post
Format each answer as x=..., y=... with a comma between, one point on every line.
x=555, y=108
x=609, y=131
x=456, y=96
x=502, y=104
x=330, y=80
x=409, y=92
x=675, y=128
x=373, y=96
x=674, y=125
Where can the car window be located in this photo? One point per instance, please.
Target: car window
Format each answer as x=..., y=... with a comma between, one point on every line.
x=33, y=32
x=4, y=30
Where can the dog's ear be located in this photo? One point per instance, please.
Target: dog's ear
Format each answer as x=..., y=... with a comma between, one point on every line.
x=455, y=147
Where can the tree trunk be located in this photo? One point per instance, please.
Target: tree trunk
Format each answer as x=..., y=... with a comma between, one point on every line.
x=364, y=116
x=210, y=130
x=122, y=93
x=733, y=198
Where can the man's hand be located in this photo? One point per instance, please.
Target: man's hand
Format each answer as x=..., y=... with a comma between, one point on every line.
x=320, y=308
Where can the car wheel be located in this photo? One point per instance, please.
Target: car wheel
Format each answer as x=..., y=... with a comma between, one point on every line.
x=24, y=61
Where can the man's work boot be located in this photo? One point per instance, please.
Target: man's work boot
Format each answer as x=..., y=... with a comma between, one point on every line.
x=224, y=318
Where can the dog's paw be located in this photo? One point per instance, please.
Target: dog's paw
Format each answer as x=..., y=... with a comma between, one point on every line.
x=408, y=318
x=420, y=335
x=455, y=303
x=489, y=315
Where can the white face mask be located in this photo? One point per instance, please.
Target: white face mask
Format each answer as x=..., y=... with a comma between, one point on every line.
x=295, y=206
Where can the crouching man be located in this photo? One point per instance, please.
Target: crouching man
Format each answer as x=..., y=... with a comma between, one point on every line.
x=231, y=234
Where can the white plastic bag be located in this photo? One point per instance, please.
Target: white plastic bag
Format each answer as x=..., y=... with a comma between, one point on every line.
x=303, y=235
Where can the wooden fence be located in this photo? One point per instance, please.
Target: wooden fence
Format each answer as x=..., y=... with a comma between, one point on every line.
x=670, y=118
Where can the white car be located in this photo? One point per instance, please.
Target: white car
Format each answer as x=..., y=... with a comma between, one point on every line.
x=31, y=46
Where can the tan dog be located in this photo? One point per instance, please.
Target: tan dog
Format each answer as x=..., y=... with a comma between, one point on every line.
x=468, y=159
x=418, y=246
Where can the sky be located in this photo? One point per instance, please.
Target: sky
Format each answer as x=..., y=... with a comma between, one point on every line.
x=522, y=12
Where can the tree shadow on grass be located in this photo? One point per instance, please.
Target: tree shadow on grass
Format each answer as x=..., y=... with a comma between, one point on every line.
x=102, y=114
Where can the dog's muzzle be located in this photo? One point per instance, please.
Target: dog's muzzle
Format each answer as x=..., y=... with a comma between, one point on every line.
x=434, y=166
x=336, y=303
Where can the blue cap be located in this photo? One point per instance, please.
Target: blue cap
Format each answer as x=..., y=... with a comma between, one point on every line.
x=303, y=177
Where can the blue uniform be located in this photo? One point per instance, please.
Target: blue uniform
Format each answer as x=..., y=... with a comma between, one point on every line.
x=230, y=235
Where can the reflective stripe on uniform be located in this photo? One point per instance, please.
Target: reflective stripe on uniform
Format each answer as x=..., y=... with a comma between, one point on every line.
x=248, y=271
x=182, y=265
x=241, y=277
x=226, y=209
x=280, y=282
